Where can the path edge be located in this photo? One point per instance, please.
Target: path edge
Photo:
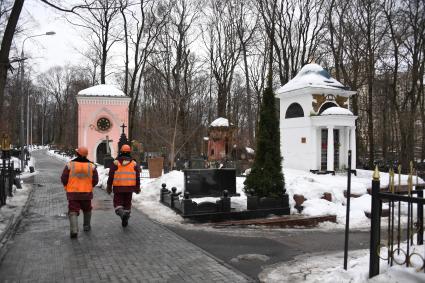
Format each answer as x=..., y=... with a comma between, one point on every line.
x=14, y=222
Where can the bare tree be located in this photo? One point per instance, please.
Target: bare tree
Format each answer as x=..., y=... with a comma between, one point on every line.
x=299, y=30
x=98, y=17
x=175, y=64
x=224, y=48
x=6, y=43
x=149, y=20
x=246, y=26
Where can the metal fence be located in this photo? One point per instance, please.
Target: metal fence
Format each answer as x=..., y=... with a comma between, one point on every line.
x=392, y=249
x=7, y=178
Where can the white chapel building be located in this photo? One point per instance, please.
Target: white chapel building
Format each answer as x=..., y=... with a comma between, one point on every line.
x=314, y=109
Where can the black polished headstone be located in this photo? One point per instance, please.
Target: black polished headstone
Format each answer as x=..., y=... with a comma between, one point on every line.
x=209, y=182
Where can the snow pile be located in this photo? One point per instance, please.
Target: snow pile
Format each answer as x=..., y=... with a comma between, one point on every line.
x=17, y=165
x=13, y=206
x=329, y=268
x=311, y=186
x=250, y=150
x=337, y=111
x=63, y=157
x=101, y=90
x=220, y=122
x=299, y=182
x=311, y=75
x=34, y=147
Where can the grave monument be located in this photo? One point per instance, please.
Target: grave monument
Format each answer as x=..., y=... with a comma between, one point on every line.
x=316, y=126
x=101, y=111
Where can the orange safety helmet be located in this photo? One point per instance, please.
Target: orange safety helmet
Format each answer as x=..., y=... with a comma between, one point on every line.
x=125, y=148
x=83, y=151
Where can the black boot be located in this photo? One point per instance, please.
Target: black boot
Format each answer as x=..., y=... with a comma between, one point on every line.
x=120, y=212
x=73, y=224
x=125, y=217
x=87, y=219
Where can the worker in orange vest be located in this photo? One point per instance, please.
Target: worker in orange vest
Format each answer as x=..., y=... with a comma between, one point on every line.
x=124, y=179
x=79, y=177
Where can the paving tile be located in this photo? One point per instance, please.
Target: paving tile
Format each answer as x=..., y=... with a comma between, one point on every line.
x=41, y=250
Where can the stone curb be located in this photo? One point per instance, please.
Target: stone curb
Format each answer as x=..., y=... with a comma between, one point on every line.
x=14, y=222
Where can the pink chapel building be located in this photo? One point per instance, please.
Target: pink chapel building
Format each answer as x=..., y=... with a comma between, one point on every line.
x=102, y=109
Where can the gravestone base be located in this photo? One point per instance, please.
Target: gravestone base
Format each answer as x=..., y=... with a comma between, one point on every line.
x=213, y=212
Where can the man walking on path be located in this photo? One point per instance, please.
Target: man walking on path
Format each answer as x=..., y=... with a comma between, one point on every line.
x=124, y=179
x=79, y=177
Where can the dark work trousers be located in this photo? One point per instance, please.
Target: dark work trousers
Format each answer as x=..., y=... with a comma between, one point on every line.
x=76, y=205
x=123, y=200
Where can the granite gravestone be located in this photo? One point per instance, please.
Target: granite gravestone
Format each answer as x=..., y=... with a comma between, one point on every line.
x=209, y=182
x=155, y=166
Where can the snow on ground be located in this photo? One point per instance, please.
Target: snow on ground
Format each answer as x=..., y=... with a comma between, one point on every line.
x=297, y=182
x=63, y=157
x=13, y=206
x=310, y=185
x=328, y=268
x=321, y=268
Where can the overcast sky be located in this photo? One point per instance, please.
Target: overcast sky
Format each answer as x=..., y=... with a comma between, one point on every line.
x=47, y=51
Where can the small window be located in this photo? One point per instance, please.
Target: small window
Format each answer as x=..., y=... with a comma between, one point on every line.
x=294, y=111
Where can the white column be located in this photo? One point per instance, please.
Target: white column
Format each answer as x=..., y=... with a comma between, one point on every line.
x=353, y=147
x=312, y=144
x=346, y=145
x=330, y=153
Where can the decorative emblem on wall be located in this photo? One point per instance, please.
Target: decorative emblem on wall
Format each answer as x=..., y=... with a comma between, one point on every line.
x=330, y=97
x=103, y=124
x=319, y=99
x=342, y=101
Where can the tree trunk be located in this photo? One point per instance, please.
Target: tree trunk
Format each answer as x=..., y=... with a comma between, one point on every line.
x=221, y=101
x=248, y=97
x=103, y=64
x=5, y=49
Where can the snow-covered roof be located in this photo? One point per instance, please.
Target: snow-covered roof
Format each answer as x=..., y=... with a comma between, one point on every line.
x=337, y=111
x=101, y=90
x=311, y=75
x=220, y=122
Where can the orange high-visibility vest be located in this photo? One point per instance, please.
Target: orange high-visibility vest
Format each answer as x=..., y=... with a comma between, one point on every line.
x=125, y=175
x=80, y=177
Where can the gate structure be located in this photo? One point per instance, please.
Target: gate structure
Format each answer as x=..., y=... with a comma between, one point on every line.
x=395, y=196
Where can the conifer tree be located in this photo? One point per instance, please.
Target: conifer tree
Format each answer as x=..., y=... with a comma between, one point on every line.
x=266, y=178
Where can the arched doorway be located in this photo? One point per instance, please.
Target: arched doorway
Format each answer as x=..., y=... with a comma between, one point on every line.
x=101, y=152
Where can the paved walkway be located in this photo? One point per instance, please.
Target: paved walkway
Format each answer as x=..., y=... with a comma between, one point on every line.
x=41, y=250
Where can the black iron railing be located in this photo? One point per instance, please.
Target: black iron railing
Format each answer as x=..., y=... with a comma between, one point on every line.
x=396, y=230
x=7, y=177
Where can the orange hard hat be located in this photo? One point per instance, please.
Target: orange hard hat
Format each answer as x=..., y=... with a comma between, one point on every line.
x=82, y=150
x=125, y=148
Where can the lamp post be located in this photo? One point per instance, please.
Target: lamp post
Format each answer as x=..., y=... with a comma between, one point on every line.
x=22, y=133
